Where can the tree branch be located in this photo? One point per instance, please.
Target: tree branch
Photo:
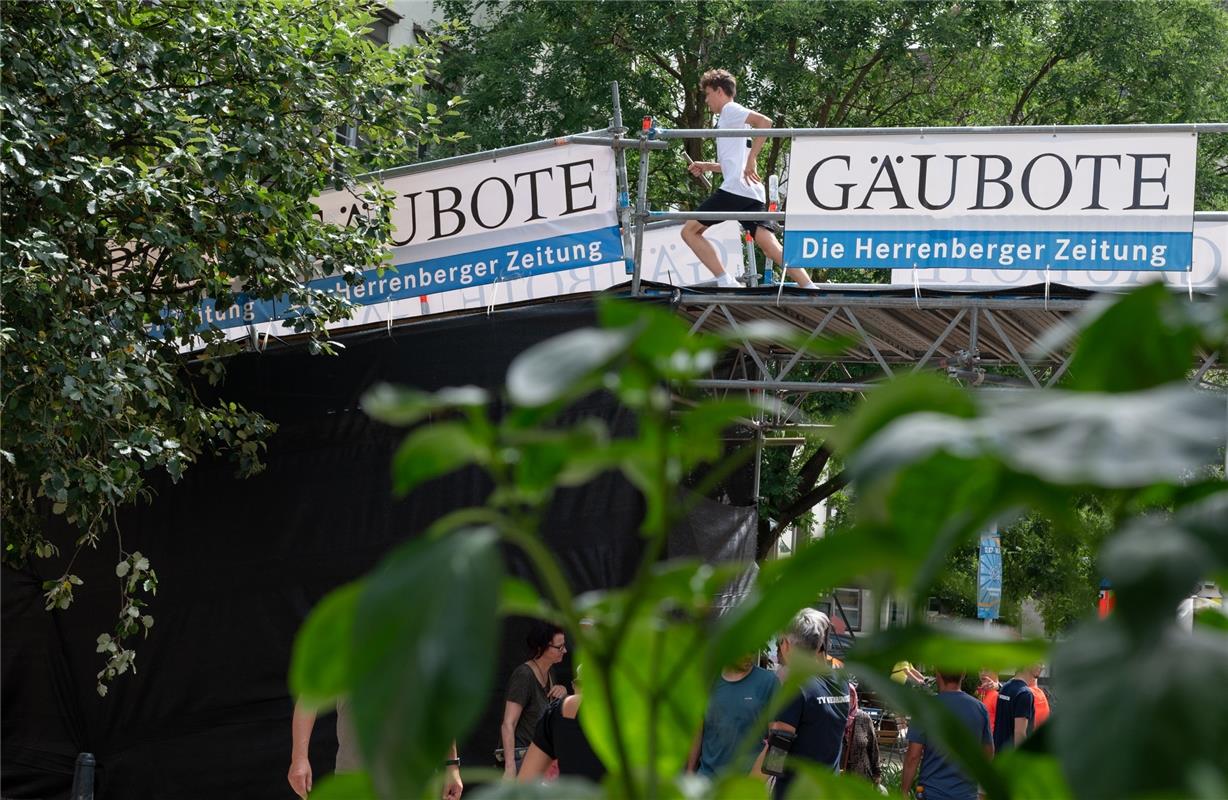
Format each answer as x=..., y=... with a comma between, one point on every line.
x=864, y=72
x=1017, y=112
x=768, y=534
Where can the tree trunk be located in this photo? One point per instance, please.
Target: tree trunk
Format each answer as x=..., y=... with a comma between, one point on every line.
x=809, y=493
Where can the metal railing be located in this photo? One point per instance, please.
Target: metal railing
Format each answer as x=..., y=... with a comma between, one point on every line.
x=645, y=217
x=635, y=216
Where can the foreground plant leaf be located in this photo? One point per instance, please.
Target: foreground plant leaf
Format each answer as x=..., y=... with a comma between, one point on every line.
x=320, y=668
x=1131, y=440
x=421, y=677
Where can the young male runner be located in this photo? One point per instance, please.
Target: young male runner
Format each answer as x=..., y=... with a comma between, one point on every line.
x=741, y=189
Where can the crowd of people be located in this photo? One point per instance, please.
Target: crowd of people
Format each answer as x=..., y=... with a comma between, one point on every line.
x=743, y=729
x=822, y=724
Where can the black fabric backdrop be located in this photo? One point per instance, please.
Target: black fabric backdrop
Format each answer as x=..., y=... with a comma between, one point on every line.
x=242, y=562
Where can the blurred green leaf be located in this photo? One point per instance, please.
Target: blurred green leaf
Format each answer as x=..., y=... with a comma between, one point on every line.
x=518, y=597
x=1073, y=438
x=1152, y=565
x=395, y=405
x=700, y=428
x=432, y=451
x=1139, y=341
x=654, y=691
x=564, y=365
x=1213, y=618
x=1142, y=718
x=563, y=788
x=813, y=780
x=951, y=645
x=785, y=586
x=659, y=334
x=917, y=516
x=420, y=678
x=320, y=664
x=1032, y=776
x=1157, y=560
x=897, y=398
x=344, y=786
x=1207, y=519
x=546, y=458
x=738, y=787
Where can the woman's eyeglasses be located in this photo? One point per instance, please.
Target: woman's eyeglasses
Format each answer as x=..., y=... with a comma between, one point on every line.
x=560, y=647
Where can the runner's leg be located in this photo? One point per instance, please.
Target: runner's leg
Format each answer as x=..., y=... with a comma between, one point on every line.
x=771, y=248
x=693, y=235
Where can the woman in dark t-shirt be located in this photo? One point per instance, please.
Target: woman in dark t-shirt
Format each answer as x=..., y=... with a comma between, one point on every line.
x=529, y=689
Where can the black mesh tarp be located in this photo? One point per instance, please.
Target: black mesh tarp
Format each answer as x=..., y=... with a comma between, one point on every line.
x=242, y=561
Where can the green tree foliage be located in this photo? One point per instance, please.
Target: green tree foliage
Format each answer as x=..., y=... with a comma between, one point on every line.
x=154, y=155
x=1055, y=568
x=536, y=69
x=932, y=465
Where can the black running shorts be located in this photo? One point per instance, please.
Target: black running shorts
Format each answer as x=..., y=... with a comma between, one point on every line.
x=722, y=200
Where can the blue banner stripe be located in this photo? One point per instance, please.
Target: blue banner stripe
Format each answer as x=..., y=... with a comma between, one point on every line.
x=432, y=276
x=1151, y=251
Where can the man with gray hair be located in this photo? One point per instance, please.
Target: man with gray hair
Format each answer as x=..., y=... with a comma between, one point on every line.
x=811, y=727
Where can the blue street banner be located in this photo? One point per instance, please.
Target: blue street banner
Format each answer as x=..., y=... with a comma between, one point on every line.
x=989, y=576
x=1008, y=202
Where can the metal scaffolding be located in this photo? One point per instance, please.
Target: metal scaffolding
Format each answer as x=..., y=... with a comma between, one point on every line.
x=987, y=339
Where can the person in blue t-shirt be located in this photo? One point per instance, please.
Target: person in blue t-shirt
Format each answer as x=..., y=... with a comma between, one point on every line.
x=1016, y=712
x=816, y=717
x=741, y=693
x=939, y=779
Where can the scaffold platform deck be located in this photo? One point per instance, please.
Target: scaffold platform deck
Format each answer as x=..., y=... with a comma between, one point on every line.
x=989, y=338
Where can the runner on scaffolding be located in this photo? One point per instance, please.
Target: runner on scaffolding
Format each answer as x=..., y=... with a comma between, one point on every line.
x=741, y=189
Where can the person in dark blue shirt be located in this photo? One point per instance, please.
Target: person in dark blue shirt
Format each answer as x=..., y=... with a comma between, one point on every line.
x=1016, y=713
x=816, y=717
x=939, y=778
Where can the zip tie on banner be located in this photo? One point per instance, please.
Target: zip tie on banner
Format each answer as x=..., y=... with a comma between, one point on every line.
x=916, y=286
x=780, y=287
x=388, y=302
x=494, y=298
x=268, y=331
x=1189, y=281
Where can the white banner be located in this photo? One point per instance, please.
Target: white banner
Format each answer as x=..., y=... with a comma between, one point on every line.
x=1027, y=201
x=1210, y=267
x=667, y=259
x=499, y=223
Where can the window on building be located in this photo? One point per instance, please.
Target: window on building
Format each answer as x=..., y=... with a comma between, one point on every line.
x=895, y=614
x=382, y=20
x=850, y=606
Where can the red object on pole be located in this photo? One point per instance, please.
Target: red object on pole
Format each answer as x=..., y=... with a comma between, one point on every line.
x=1104, y=606
x=646, y=124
